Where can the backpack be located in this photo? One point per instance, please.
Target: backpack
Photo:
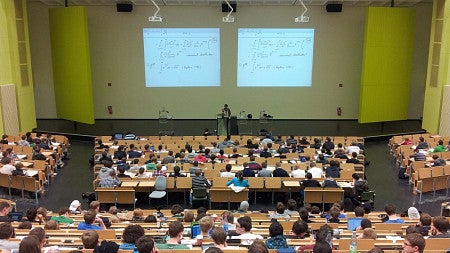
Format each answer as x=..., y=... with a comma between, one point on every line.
x=401, y=173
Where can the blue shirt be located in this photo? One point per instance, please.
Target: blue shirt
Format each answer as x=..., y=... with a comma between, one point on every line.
x=83, y=226
x=395, y=221
x=236, y=182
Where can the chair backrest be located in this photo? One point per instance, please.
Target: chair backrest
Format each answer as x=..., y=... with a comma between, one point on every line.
x=199, y=192
x=160, y=183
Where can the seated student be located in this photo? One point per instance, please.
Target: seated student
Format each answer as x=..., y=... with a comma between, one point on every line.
x=309, y=182
x=138, y=215
x=142, y=173
x=228, y=217
x=175, y=235
x=123, y=164
x=334, y=215
x=277, y=239
x=89, y=239
x=227, y=172
x=424, y=224
x=5, y=207
x=122, y=173
x=330, y=182
x=6, y=232
x=130, y=235
x=244, y=227
x=159, y=172
x=391, y=211
x=437, y=161
x=414, y=243
x=111, y=181
x=90, y=217
x=299, y=230
x=353, y=159
x=176, y=172
x=291, y=207
x=206, y=224
x=219, y=236
x=177, y=211
x=19, y=170
x=280, y=212
x=440, y=147
x=146, y=244
x=239, y=180
x=440, y=227
x=64, y=214
x=368, y=233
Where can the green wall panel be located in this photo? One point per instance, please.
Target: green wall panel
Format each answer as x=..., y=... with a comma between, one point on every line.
x=71, y=64
x=387, y=64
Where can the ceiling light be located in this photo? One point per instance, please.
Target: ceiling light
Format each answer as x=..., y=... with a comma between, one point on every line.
x=228, y=18
x=155, y=17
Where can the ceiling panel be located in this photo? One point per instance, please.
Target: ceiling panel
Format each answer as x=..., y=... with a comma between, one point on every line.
x=239, y=2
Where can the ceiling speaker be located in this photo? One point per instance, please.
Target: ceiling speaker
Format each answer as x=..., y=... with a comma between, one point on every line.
x=226, y=8
x=334, y=7
x=124, y=7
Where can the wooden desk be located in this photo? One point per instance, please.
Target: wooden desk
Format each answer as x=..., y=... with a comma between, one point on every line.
x=131, y=184
x=227, y=195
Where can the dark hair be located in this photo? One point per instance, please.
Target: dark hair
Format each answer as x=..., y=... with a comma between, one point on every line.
x=441, y=224
x=304, y=214
x=275, y=229
x=359, y=211
x=425, y=219
x=175, y=228
x=240, y=176
x=412, y=229
x=39, y=233
x=219, y=235
x=6, y=230
x=176, y=209
x=416, y=240
x=145, y=244
x=245, y=222
x=213, y=250
x=30, y=244
x=366, y=223
x=280, y=208
x=390, y=209
x=322, y=247
x=291, y=204
x=89, y=217
x=299, y=227
x=150, y=219
x=131, y=233
x=258, y=247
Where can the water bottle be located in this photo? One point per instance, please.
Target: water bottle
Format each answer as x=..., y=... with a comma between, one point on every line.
x=329, y=239
x=225, y=224
x=353, y=243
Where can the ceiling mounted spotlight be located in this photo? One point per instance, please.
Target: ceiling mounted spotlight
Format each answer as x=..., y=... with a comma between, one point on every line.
x=302, y=18
x=155, y=17
x=228, y=18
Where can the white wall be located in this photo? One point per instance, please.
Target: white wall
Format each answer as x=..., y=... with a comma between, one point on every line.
x=117, y=57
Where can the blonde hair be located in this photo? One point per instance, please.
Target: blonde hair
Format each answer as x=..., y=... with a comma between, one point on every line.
x=369, y=233
x=206, y=223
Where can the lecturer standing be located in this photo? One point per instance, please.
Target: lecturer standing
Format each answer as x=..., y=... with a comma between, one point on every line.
x=226, y=114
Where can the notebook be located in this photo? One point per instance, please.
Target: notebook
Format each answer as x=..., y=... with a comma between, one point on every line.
x=353, y=223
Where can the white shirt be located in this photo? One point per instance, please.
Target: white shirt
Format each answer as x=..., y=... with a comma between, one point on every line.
x=7, y=169
x=351, y=149
x=316, y=172
x=227, y=174
x=298, y=173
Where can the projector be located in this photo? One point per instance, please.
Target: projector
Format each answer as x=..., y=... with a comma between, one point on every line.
x=301, y=19
x=228, y=19
x=155, y=19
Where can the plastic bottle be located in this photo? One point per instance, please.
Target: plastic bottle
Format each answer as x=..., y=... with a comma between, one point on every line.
x=329, y=238
x=353, y=243
x=225, y=224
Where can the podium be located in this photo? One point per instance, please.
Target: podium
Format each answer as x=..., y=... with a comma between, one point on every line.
x=222, y=125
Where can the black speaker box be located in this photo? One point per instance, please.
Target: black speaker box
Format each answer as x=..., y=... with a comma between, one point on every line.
x=225, y=7
x=334, y=7
x=124, y=7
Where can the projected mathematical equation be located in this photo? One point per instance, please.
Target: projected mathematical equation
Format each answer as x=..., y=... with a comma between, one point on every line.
x=275, y=57
x=182, y=57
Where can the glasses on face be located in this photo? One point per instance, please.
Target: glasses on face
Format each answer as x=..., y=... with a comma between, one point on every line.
x=407, y=244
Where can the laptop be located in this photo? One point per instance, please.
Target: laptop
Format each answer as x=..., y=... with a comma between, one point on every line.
x=15, y=216
x=118, y=136
x=353, y=223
